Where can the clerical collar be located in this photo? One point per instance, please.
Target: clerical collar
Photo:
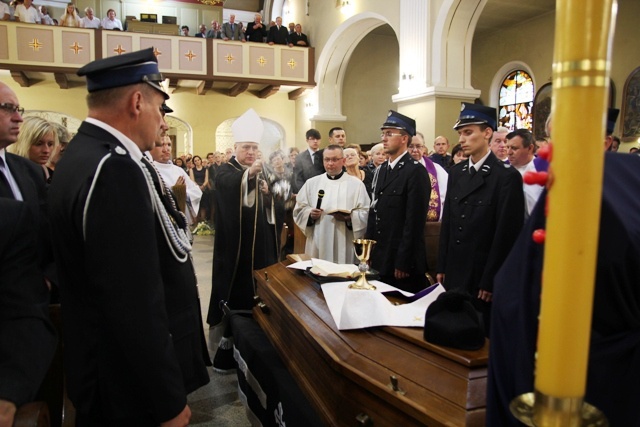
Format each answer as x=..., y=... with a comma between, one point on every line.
x=337, y=176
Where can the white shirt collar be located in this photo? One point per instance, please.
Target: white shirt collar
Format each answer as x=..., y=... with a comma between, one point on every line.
x=395, y=162
x=480, y=162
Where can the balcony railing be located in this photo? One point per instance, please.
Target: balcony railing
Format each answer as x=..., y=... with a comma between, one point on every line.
x=26, y=48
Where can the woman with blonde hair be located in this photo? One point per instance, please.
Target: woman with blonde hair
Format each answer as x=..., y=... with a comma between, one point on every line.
x=63, y=141
x=36, y=141
x=352, y=166
x=70, y=17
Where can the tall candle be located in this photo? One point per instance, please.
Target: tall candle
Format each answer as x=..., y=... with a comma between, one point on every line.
x=580, y=92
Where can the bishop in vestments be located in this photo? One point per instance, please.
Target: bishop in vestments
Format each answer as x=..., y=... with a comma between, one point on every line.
x=248, y=222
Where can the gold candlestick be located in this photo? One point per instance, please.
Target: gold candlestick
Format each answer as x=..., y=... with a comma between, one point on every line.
x=581, y=68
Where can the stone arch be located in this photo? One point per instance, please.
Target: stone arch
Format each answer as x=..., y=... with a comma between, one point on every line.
x=452, y=41
x=334, y=59
x=183, y=133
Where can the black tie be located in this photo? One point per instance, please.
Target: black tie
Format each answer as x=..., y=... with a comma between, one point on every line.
x=5, y=188
x=472, y=170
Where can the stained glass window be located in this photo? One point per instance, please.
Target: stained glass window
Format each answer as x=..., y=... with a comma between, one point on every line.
x=516, y=101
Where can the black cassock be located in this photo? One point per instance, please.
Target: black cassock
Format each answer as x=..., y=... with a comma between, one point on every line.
x=614, y=355
x=245, y=241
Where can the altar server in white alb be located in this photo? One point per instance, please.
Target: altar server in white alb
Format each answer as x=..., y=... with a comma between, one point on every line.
x=175, y=175
x=332, y=210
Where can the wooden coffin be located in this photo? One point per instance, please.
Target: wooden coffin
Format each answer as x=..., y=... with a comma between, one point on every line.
x=346, y=375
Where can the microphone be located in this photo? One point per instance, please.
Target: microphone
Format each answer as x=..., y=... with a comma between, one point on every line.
x=320, y=196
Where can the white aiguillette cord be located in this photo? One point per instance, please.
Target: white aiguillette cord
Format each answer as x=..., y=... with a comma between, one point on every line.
x=176, y=236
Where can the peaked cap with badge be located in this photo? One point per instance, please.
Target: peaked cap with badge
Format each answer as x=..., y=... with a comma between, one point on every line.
x=475, y=114
x=118, y=239
x=396, y=120
x=123, y=70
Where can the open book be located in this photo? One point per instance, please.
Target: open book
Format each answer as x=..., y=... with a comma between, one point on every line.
x=342, y=211
x=330, y=269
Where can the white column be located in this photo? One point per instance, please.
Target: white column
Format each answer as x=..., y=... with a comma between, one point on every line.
x=415, y=39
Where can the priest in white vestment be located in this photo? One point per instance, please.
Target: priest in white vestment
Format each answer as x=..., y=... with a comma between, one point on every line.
x=341, y=216
x=172, y=175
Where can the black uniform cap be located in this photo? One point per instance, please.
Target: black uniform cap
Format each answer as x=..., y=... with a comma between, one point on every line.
x=123, y=70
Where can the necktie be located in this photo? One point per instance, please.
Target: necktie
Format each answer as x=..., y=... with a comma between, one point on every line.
x=5, y=188
x=472, y=170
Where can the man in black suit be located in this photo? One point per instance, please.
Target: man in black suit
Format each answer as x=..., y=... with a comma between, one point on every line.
x=278, y=34
x=298, y=38
x=256, y=31
x=309, y=162
x=134, y=342
x=483, y=212
x=399, y=209
x=202, y=31
x=27, y=337
x=23, y=180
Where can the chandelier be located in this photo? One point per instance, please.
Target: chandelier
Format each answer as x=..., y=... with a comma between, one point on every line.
x=212, y=2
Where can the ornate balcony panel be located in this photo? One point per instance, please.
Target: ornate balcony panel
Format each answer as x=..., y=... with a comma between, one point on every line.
x=28, y=48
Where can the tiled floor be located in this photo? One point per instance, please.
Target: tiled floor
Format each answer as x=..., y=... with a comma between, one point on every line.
x=215, y=404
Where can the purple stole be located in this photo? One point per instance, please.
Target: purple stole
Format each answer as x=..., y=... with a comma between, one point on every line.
x=540, y=164
x=435, y=204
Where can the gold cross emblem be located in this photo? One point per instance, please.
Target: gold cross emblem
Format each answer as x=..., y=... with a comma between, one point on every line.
x=229, y=58
x=119, y=50
x=291, y=63
x=156, y=52
x=262, y=61
x=75, y=47
x=35, y=44
x=190, y=55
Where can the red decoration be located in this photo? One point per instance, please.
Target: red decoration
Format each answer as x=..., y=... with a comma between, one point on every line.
x=545, y=152
x=539, y=235
x=539, y=178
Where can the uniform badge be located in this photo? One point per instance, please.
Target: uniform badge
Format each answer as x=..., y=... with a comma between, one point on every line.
x=121, y=151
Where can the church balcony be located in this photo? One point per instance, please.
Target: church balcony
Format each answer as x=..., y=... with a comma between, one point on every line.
x=35, y=52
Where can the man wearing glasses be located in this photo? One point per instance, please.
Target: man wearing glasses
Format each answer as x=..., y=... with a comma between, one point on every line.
x=24, y=297
x=332, y=223
x=437, y=177
x=398, y=209
x=16, y=172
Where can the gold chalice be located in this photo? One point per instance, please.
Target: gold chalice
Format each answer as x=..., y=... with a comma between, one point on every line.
x=362, y=249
